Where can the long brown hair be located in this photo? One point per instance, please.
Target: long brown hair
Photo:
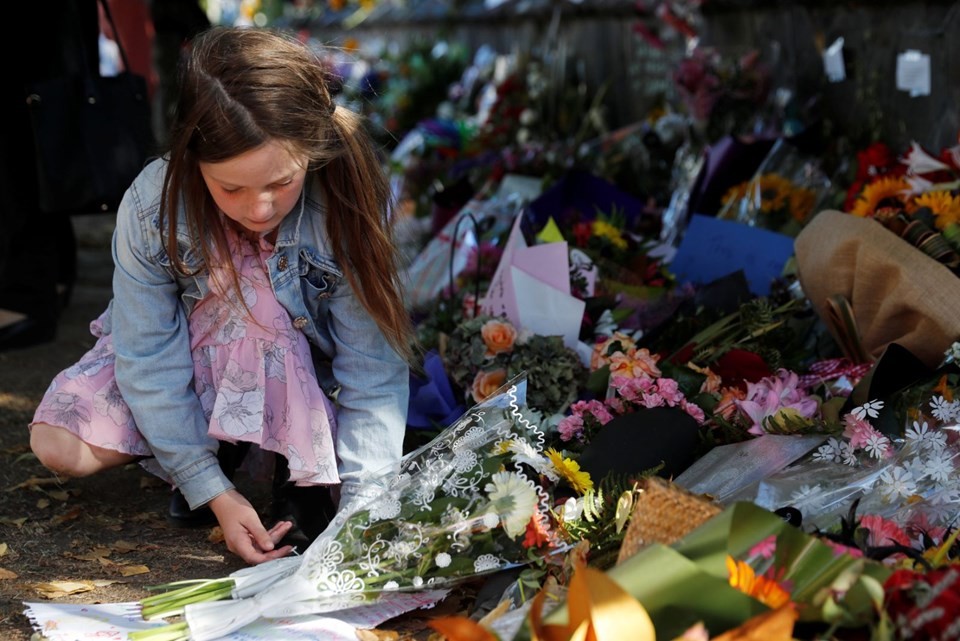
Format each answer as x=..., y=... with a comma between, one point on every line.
x=241, y=87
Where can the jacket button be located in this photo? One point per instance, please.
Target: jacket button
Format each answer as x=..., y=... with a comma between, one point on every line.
x=300, y=322
x=282, y=263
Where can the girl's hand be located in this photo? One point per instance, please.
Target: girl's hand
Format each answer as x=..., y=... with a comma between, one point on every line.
x=244, y=533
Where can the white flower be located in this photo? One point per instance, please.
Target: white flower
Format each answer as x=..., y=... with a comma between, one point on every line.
x=514, y=499
x=443, y=560
x=918, y=161
x=953, y=352
x=391, y=585
x=572, y=509
x=417, y=581
x=870, y=408
x=525, y=453
x=898, y=482
x=877, y=445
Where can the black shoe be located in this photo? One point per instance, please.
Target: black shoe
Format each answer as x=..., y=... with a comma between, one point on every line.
x=180, y=514
x=26, y=333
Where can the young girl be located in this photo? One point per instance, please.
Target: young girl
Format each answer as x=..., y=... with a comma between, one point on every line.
x=254, y=280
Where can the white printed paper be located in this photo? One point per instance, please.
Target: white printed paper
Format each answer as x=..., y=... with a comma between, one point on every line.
x=833, y=62
x=913, y=73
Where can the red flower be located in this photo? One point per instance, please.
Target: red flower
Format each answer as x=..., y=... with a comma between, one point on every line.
x=739, y=367
x=923, y=605
x=875, y=160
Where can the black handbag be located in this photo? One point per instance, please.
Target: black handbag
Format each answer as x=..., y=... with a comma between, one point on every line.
x=92, y=134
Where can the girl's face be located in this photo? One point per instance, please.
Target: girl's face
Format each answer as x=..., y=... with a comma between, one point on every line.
x=257, y=189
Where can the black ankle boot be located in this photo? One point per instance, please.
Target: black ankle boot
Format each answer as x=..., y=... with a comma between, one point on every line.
x=310, y=508
x=230, y=456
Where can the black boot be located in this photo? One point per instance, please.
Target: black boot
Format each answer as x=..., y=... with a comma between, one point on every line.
x=310, y=508
x=230, y=456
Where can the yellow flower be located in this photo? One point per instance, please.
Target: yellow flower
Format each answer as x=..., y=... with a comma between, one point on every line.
x=603, y=229
x=764, y=590
x=570, y=470
x=878, y=191
x=802, y=201
x=944, y=206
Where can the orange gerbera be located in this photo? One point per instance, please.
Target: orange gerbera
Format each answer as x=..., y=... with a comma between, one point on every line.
x=761, y=588
x=880, y=190
x=944, y=205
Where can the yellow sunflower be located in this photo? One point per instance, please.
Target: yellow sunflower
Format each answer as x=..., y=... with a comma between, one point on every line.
x=944, y=205
x=878, y=191
x=570, y=470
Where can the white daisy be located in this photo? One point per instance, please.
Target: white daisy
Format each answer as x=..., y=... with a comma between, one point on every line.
x=443, y=560
x=514, y=499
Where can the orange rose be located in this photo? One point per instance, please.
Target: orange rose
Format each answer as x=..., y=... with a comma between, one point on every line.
x=486, y=383
x=498, y=336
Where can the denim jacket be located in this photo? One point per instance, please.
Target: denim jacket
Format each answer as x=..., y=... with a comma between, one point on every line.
x=154, y=367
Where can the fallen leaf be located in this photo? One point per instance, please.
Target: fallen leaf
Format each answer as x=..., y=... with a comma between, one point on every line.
x=3, y=549
x=43, y=504
x=69, y=515
x=124, y=546
x=59, y=495
x=131, y=570
x=105, y=562
x=102, y=583
x=7, y=574
x=92, y=555
x=216, y=535
x=5, y=520
x=57, y=589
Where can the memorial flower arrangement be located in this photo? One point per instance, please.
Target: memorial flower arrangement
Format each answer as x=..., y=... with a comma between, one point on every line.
x=485, y=351
x=475, y=500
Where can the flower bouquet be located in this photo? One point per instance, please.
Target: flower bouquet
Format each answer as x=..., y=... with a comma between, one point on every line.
x=482, y=352
x=473, y=501
x=783, y=194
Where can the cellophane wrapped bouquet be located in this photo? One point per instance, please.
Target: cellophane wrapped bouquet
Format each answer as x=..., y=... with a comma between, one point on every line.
x=475, y=500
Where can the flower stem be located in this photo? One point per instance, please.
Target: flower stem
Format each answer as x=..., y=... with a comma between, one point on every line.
x=170, y=632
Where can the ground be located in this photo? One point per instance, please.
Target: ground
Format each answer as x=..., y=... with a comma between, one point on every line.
x=108, y=532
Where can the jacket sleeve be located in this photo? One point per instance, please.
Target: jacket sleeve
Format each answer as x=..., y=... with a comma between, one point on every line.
x=374, y=390
x=154, y=366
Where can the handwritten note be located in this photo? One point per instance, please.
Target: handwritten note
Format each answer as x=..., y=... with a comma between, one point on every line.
x=712, y=248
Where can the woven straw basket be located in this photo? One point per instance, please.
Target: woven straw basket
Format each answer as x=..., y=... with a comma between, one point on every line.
x=664, y=513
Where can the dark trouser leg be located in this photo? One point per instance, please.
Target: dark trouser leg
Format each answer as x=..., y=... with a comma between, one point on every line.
x=311, y=508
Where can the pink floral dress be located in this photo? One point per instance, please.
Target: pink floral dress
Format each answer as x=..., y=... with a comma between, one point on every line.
x=252, y=372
